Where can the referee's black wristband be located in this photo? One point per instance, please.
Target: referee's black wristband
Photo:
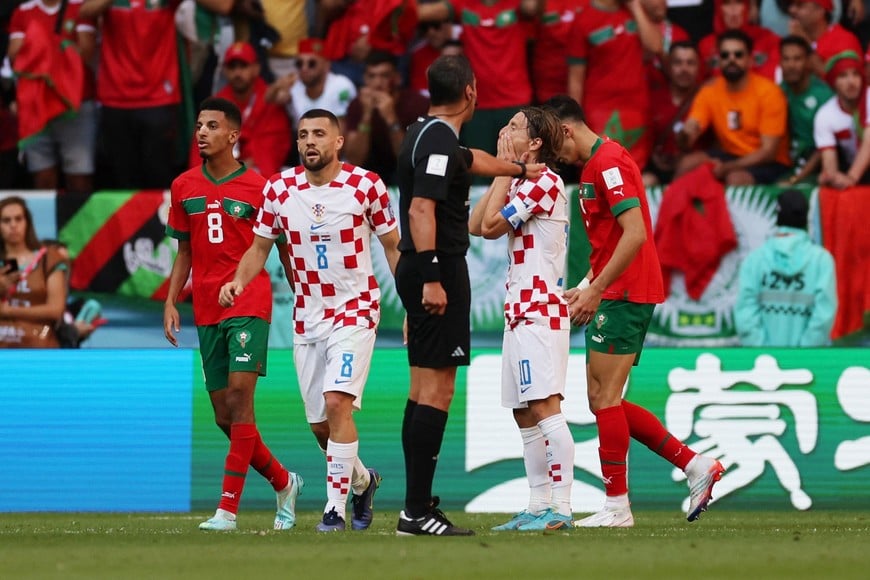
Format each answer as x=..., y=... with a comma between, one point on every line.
x=522, y=166
x=427, y=263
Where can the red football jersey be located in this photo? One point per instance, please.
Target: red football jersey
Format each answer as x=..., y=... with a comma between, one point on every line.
x=35, y=12
x=218, y=218
x=139, y=55
x=550, y=74
x=608, y=44
x=609, y=185
x=495, y=43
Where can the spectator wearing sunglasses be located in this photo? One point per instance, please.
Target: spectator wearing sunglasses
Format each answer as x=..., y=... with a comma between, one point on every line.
x=748, y=116
x=314, y=85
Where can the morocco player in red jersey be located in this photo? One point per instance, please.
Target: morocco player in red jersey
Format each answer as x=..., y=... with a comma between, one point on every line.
x=212, y=213
x=616, y=301
x=328, y=211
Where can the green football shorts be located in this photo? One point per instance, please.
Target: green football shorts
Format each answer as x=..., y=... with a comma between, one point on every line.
x=233, y=345
x=619, y=327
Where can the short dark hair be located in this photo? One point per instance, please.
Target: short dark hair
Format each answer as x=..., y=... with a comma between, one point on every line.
x=735, y=34
x=565, y=108
x=448, y=76
x=684, y=44
x=378, y=57
x=799, y=41
x=228, y=108
x=320, y=114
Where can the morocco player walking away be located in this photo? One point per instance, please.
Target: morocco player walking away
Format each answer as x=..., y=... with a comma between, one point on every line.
x=624, y=285
x=534, y=215
x=328, y=211
x=212, y=213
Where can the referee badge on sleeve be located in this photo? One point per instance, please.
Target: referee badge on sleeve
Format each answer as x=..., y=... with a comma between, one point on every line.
x=437, y=165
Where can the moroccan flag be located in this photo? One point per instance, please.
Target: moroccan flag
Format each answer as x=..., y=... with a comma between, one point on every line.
x=118, y=242
x=50, y=73
x=845, y=234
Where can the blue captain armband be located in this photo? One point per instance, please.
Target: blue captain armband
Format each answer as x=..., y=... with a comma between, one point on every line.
x=516, y=212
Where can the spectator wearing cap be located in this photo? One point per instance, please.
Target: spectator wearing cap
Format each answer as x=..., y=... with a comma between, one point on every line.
x=748, y=116
x=840, y=128
x=378, y=116
x=434, y=35
x=314, y=86
x=814, y=19
x=265, y=139
x=787, y=292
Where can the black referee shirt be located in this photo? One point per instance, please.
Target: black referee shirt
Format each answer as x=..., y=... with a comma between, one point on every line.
x=432, y=164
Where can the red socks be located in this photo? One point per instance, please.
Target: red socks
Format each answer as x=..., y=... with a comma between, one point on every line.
x=270, y=468
x=646, y=428
x=243, y=439
x=613, y=438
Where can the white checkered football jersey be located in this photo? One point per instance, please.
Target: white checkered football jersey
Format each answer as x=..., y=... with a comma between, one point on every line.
x=328, y=230
x=537, y=251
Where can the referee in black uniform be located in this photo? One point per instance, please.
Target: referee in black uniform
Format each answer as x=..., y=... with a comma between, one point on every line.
x=434, y=175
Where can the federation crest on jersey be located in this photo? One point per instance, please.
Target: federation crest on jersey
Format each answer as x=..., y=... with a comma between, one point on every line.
x=243, y=337
x=318, y=210
x=236, y=209
x=600, y=320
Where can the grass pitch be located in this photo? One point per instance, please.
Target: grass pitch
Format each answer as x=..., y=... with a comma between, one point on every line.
x=662, y=545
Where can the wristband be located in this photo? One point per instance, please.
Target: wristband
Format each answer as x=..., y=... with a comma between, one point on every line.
x=522, y=167
x=584, y=284
x=427, y=263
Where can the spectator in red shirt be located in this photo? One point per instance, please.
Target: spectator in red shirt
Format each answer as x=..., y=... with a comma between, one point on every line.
x=552, y=33
x=494, y=35
x=265, y=139
x=434, y=35
x=814, y=19
x=656, y=67
x=138, y=86
x=67, y=141
x=735, y=15
x=377, y=117
x=670, y=108
x=606, y=71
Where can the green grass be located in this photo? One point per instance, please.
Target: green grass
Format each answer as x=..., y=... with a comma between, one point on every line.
x=814, y=544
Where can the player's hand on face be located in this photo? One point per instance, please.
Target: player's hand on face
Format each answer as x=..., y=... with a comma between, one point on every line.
x=171, y=323
x=228, y=293
x=505, y=147
x=434, y=298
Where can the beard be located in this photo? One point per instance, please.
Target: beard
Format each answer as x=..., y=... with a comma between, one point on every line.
x=316, y=164
x=733, y=74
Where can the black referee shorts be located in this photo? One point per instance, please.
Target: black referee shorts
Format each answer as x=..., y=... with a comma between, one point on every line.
x=437, y=341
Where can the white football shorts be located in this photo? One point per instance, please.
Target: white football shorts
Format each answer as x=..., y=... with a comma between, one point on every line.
x=340, y=362
x=534, y=363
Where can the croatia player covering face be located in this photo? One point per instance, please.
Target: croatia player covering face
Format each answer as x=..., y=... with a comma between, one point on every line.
x=533, y=213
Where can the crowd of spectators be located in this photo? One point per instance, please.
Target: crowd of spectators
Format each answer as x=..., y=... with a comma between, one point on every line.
x=769, y=91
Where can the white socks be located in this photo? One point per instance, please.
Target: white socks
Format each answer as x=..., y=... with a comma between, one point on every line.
x=560, y=461
x=535, y=461
x=340, y=461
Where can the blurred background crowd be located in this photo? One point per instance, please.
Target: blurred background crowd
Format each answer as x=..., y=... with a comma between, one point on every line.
x=100, y=94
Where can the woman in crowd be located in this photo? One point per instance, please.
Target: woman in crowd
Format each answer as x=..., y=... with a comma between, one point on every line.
x=32, y=281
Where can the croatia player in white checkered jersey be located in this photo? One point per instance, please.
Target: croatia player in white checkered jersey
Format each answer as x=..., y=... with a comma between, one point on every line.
x=534, y=215
x=328, y=211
